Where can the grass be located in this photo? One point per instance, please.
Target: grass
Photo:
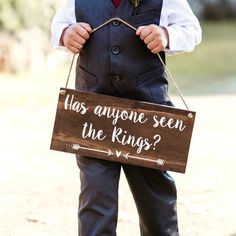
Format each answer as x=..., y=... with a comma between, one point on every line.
x=212, y=66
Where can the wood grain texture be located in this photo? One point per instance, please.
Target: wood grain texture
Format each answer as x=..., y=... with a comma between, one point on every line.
x=168, y=134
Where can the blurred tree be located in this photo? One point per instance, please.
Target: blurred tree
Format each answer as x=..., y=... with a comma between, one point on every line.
x=21, y=14
x=214, y=9
x=25, y=33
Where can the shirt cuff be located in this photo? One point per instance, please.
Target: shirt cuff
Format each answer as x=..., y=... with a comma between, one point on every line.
x=180, y=41
x=56, y=35
x=173, y=42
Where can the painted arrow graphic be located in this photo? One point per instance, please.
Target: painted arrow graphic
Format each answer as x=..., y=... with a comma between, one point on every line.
x=159, y=161
x=77, y=147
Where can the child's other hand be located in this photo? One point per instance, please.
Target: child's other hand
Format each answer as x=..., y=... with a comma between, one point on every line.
x=75, y=36
x=155, y=37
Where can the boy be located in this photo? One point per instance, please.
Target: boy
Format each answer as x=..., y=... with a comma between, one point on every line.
x=117, y=61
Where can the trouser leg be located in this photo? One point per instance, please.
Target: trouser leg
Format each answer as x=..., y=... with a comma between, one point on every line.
x=154, y=193
x=98, y=201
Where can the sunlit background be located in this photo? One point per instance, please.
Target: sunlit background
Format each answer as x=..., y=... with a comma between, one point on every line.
x=39, y=188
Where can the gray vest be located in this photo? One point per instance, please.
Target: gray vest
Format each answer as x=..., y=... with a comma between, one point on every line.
x=114, y=61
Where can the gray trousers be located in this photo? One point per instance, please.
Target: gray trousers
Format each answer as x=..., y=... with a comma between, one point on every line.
x=154, y=193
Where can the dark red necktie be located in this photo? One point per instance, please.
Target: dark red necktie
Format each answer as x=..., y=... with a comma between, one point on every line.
x=116, y=2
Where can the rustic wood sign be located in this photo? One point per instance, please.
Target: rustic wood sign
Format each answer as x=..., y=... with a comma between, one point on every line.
x=122, y=130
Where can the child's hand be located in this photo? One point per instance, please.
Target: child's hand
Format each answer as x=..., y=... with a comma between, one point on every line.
x=155, y=37
x=75, y=36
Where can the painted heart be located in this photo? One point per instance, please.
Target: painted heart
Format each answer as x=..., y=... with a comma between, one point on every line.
x=118, y=154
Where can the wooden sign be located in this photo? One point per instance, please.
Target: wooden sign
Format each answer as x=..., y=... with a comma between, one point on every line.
x=122, y=130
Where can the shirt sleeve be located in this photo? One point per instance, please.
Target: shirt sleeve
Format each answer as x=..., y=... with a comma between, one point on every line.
x=182, y=25
x=63, y=18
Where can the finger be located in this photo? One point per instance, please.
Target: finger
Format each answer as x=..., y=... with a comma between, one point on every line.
x=76, y=44
x=145, y=32
x=86, y=27
x=73, y=49
x=79, y=39
x=153, y=44
x=149, y=38
x=138, y=31
x=157, y=49
x=82, y=32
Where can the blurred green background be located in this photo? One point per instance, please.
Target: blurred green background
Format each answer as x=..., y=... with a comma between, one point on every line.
x=211, y=68
x=39, y=188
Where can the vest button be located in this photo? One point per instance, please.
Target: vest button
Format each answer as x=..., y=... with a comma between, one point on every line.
x=116, y=78
x=115, y=23
x=115, y=50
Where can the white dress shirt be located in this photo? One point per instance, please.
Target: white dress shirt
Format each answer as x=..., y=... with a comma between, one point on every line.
x=177, y=17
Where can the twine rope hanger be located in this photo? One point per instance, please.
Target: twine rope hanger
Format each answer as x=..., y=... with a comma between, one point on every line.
x=135, y=29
